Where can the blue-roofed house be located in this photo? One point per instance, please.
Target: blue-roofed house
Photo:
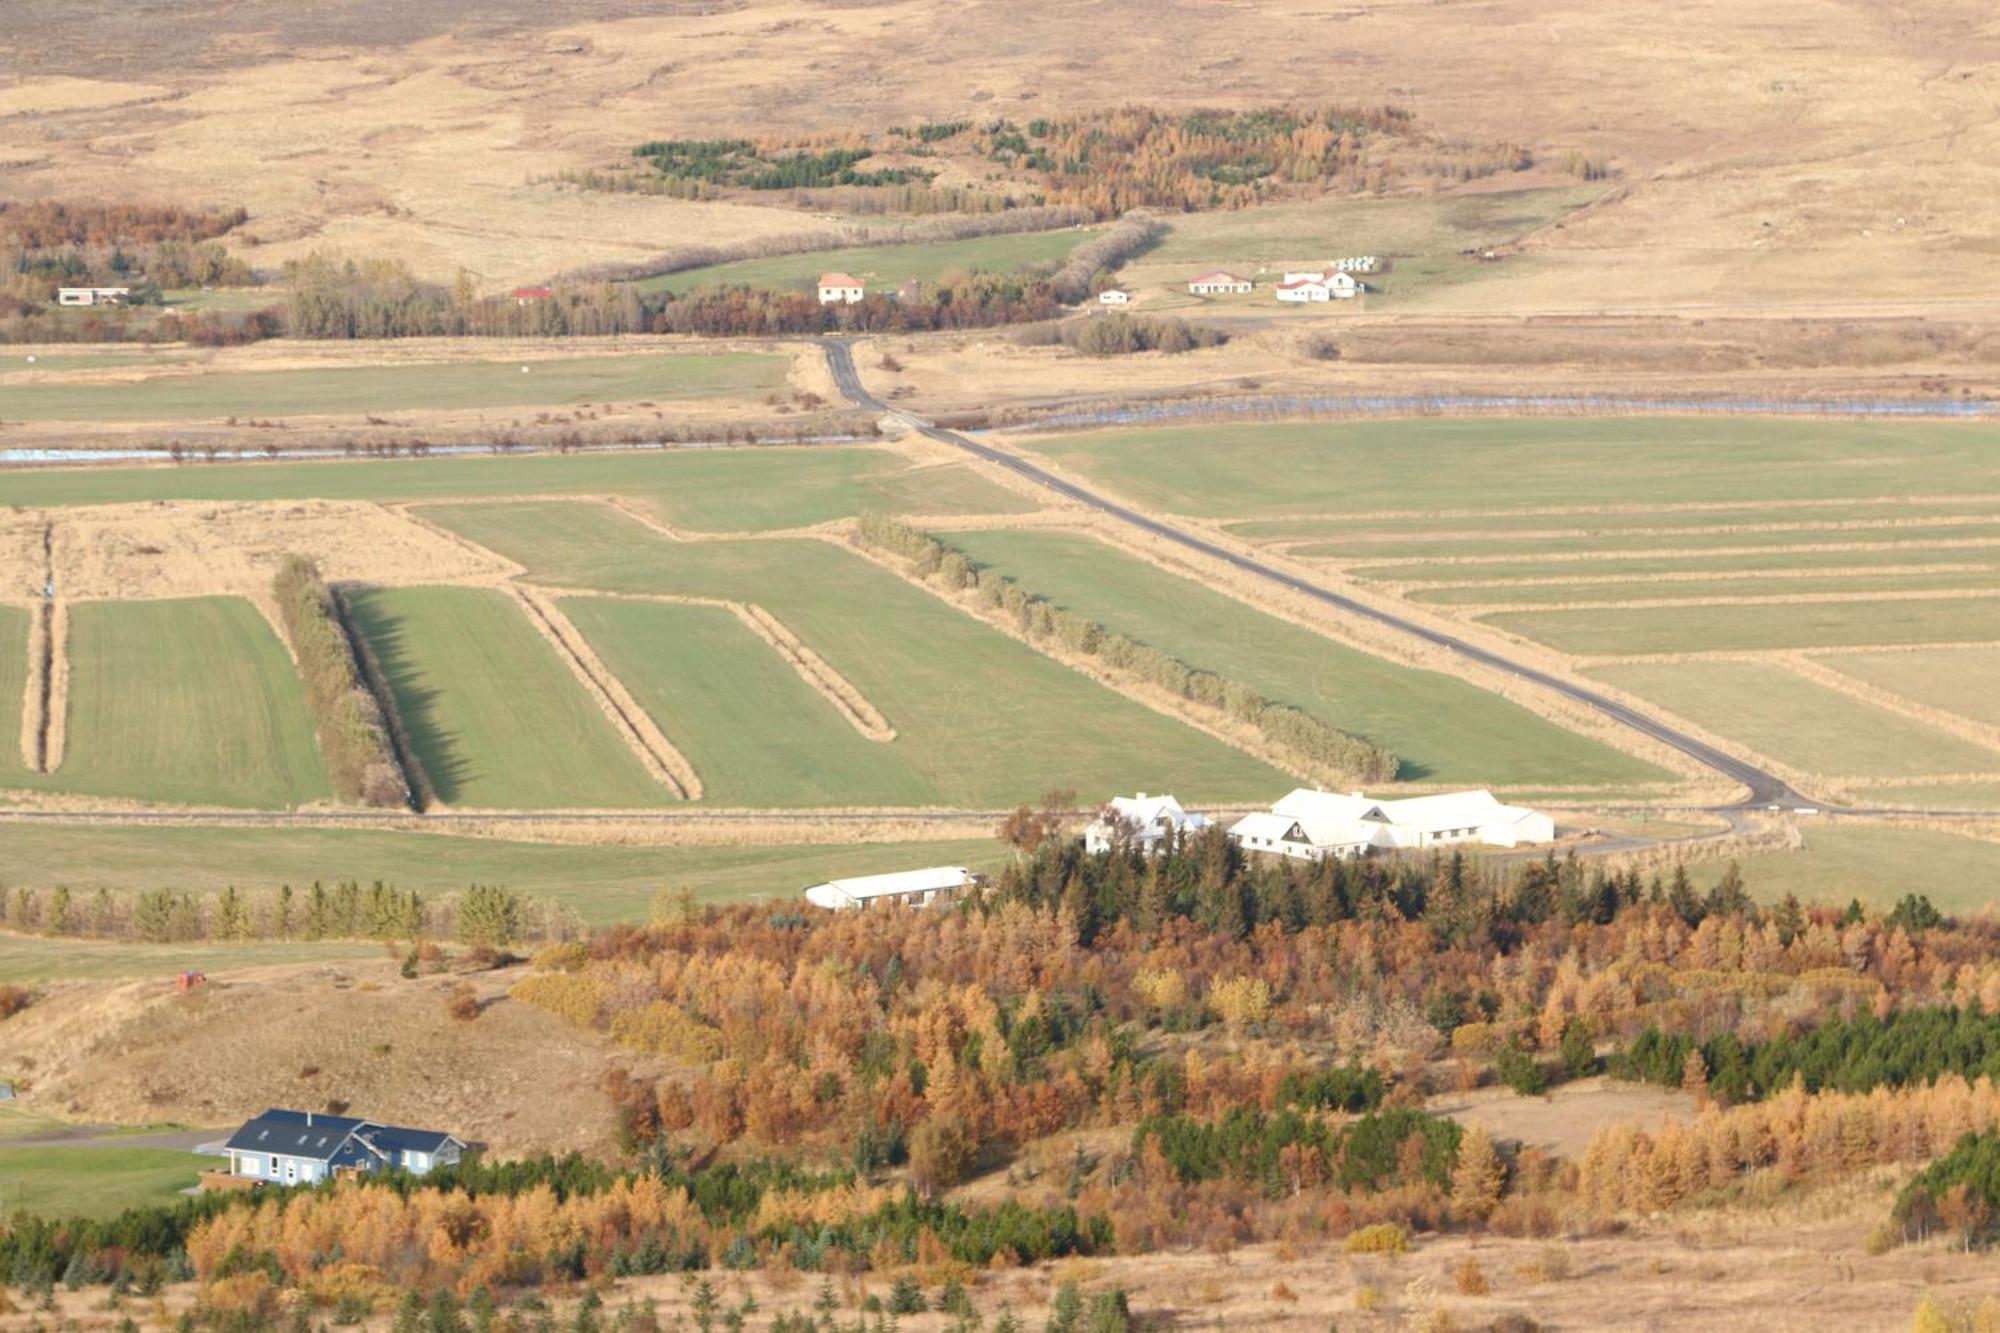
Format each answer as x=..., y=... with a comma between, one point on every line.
x=306, y=1147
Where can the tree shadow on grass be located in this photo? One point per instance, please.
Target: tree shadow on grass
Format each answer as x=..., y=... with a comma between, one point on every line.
x=436, y=748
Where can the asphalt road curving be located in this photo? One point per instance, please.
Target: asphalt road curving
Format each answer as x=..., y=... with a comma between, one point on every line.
x=1763, y=789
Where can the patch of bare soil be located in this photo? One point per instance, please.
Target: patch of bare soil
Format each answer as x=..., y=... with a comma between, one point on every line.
x=313, y=1037
x=199, y=548
x=1563, y=1120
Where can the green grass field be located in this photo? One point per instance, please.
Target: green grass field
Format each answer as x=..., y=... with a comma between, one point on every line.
x=1388, y=530
x=883, y=266
x=1931, y=796
x=13, y=682
x=604, y=882
x=1271, y=470
x=354, y=390
x=705, y=489
x=1442, y=728
x=1739, y=628
x=986, y=720
x=188, y=701
x=756, y=732
x=1965, y=681
x=1799, y=722
x=496, y=717
x=93, y=1181
x=1802, y=563
x=1611, y=542
x=1875, y=863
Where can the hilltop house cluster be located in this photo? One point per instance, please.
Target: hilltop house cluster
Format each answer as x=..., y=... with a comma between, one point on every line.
x=1334, y=282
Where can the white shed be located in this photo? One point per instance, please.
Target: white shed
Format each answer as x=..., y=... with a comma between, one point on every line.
x=914, y=888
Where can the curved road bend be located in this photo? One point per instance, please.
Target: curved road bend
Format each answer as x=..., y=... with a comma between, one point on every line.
x=1765, y=789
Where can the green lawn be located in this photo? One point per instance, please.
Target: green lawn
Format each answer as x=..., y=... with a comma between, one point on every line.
x=1875, y=863
x=354, y=390
x=1798, y=722
x=92, y=1182
x=1741, y=628
x=1443, y=728
x=1965, y=681
x=724, y=490
x=1249, y=470
x=1646, y=590
x=883, y=266
x=188, y=701
x=604, y=882
x=756, y=732
x=13, y=684
x=986, y=720
x=496, y=717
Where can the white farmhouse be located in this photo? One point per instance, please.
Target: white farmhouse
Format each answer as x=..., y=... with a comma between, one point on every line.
x=1325, y=285
x=93, y=295
x=1143, y=822
x=840, y=289
x=1312, y=825
x=1218, y=283
x=914, y=888
x=1112, y=296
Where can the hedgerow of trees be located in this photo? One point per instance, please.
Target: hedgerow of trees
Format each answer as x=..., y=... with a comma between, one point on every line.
x=353, y=736
x=1313, y=741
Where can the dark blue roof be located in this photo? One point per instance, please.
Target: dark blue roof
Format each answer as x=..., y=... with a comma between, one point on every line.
x=337, y=1139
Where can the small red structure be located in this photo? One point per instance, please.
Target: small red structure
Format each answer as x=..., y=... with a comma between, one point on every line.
x=189, y=981
x=523, y=295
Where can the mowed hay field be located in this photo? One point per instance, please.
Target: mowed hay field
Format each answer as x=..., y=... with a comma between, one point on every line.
x=1724, y=570
x=13, y=681
x=95, y=1181
x=353, y=390
x=188, y=701
x=495, y=717
x=982, y=721
x=883, y=266
x=714, y=490
x=1443, y=729
x=1876, y=863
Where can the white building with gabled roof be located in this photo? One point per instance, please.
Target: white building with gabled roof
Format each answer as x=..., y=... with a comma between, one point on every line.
x=913, y=888
x=1146, y=823
x=1312, y=825
x=840, y=289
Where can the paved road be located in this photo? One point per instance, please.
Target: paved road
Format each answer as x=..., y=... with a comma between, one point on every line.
x=1763, y=789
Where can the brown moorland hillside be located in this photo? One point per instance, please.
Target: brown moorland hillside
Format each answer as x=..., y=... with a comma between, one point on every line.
x=1803, y=151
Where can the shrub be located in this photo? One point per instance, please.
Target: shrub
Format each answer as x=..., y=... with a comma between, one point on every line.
x=941, y=1152
x=462, y=1003
x=1469, y=1278
x=1380, y=1238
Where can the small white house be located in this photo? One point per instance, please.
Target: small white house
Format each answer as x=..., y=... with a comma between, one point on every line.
x=1312, y=825
x=1144, y=822
x=1113, y=296
x=1219, y=283
x=913, y=888
x=1329, y=285
x=840, y=289
x=93, y=295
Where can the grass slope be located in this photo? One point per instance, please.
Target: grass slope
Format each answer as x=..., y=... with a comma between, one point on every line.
x=881, y=266
x=985, y=719
x=91, y=1182
x=351, y=390
x=1799, y=722
x=604, y=882
x=190, y=701
x=721, y=490
x=496, y=718
x=756, y=732
x=1874, y=863
x=1444, y=729
x=1276, y=469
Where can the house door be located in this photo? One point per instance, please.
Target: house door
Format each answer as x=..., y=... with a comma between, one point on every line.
x=291, y=1172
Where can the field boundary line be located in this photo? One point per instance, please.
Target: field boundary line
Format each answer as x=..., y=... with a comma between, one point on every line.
x=1673, y=576
x=410, y=510
x=54, y=744
x=846, y=698
x=666, y=764
x=1781, y=599
x=377, y=681
x=1558, y=511
x=34, y=695
x=1385, y=537
x=1950, y=723
x=1927, y=780
x=1674, y=552
x=1588, y=662
x=651, y=522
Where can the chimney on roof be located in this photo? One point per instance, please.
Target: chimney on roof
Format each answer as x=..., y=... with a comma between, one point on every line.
x=309, y=1119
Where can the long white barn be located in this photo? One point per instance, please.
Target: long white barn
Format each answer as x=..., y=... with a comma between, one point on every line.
x=1311, y=825
x=916, y=888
